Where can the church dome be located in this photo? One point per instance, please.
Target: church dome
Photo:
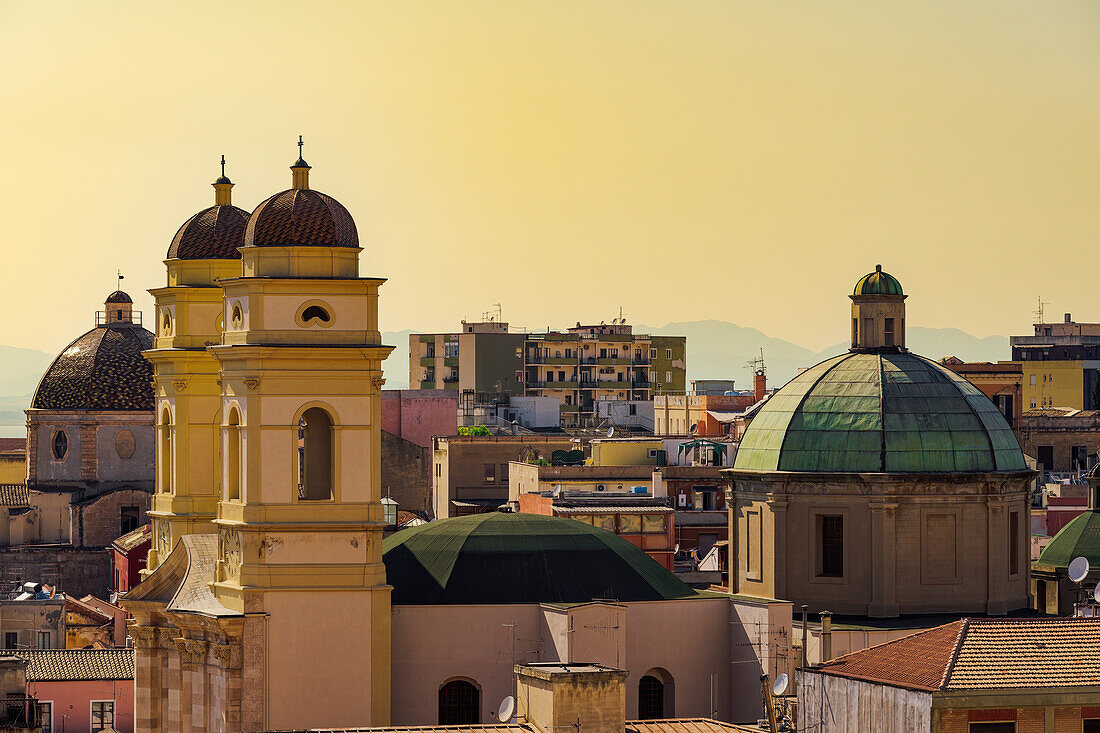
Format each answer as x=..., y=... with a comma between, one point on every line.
x=1079, y=538
x=119, y=297
x=101, y=370
x=878, y=283
x=520, y=558
x=301, y=217
x=214, y=233
x=879, y=412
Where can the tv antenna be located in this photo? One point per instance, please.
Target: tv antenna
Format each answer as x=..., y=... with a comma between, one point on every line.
x=756, y=364
x=1039, y=312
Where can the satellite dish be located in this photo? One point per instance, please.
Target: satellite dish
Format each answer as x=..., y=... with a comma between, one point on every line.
x=780, y=685
x=611, y=432
x=1096, y=593
x=507, y=709
x=1078, y=569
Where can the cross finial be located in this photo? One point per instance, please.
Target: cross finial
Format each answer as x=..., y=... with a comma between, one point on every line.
x=300, y=143
x=223, y=166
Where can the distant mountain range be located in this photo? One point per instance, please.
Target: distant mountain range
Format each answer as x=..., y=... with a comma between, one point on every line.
x=716, y=350
x=721, y=350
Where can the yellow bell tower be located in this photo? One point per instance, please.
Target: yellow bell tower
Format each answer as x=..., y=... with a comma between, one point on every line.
x=299, y=519
x=186, y=381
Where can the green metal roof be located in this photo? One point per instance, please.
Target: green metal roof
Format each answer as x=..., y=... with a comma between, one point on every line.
x=1079, y=538
x=879, y=412
x=520, y=558
x=878, y=283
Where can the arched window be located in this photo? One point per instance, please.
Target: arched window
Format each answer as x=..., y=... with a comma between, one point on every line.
x=459, y=703
x=60, y=445
x=314, y=455
x=656, y=694
x=164, y=452
x=233, y=456
x=315, y=311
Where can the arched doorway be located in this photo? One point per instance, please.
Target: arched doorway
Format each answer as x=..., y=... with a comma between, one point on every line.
x=656, y=695
x=315, y=455
x=459, y=703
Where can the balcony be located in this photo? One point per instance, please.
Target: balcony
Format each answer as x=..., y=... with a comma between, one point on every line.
x=19, y=713
x=427, y=361
x=451, y=379
x=450, y=361
x=567, y=384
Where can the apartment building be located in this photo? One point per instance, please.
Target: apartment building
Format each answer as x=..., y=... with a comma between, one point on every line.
x=1059, y=364
x=579, y=367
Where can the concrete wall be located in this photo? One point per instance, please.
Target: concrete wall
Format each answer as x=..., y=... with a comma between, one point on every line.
x=72, y=702
x=27, y=618
x=728, y=638
x=103, y=448
x=828, y=704
x=407, y=472
x=417, y=415
x=75, y=570
x=458, y=470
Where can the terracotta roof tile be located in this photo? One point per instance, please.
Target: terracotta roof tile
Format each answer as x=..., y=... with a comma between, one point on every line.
x=677, y=725
x=301, y=218
x=983, y=653
x=13, y=444
x=919, y=661
x=59, y=665
x=212, y=234
x=14, y=495
x=101, y=370
x=1041, y=652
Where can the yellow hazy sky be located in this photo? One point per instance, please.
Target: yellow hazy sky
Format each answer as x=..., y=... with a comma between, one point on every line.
x=683, y=160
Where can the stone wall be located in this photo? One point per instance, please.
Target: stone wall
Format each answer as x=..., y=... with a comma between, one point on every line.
x=97, y=522
x=406, y=473
x=78, y=571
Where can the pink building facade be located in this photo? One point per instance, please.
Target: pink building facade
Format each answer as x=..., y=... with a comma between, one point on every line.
x=82, y=690
x=418, y=414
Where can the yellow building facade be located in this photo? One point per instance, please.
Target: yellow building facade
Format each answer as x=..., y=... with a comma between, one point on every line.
x=267, y=520
x=1054, y=384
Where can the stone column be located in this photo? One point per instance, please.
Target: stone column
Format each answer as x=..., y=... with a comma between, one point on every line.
x=192, y=657
x=997, y=556
x=779, y=507
x=883, y=559
x=148, y=679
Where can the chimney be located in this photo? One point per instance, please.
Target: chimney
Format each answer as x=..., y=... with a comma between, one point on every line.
x=580, y=697
x=826, y=636
x=1069, y=318
x=759, y=385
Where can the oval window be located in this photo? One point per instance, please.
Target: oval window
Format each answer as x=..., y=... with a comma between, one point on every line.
x=237, y=318
x=315, y=311
x=167, y=323
x=60, y=444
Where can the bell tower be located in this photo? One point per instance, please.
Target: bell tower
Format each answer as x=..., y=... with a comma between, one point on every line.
x=300, y=518
x=186, y=380
x=878, y=313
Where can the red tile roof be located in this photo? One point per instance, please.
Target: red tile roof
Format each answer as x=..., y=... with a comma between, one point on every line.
x=983, y=654
x=918, y=661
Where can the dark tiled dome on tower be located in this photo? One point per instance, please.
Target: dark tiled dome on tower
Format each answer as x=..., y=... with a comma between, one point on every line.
x=214, y=233
x=520, y=558
x=299, y=217
x=101, y=370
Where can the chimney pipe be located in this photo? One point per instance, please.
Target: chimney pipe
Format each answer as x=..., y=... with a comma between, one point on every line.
x=1069, y=318
x=759, y=385
x=826, y=636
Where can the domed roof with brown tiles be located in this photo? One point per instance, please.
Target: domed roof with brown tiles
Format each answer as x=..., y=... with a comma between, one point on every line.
x=301, y=218
x=212, y=234
x=102, y=370
x=119, y=297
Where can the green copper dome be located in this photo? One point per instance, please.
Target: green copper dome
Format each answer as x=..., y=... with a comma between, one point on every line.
x=879, y=412
x=520, y=558
x=878, y=283
x=1079, y=538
